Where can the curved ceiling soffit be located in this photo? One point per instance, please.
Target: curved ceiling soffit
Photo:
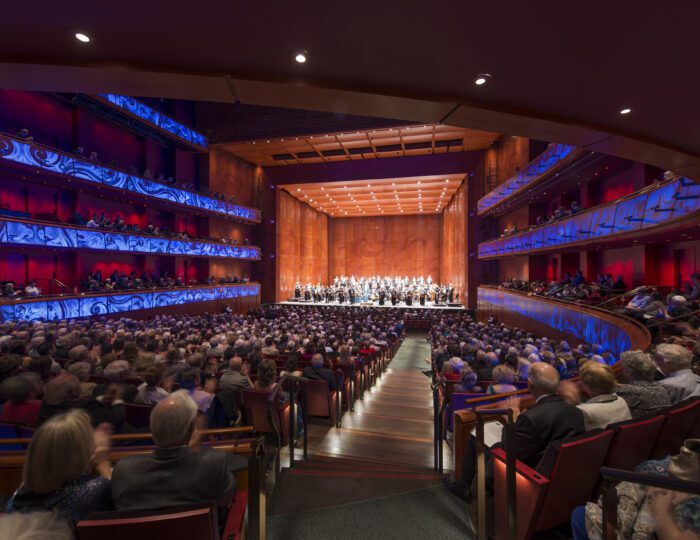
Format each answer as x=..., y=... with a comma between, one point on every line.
x=357, y=101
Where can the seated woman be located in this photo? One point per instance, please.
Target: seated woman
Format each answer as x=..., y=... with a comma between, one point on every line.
x=267, y=376
x=644, y=395
x=67, y=469
x=451, y=370
x=82, y=371
x=604, y=406
x=503, y=378
x=22, y=407
x=468, y=382
x=151, y=391
x=291, y=366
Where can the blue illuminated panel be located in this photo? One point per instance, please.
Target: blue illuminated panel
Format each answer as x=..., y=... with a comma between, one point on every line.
x=151, y=116
x=538, y=168
x=654, y=206
x=584, y=327
x=12, y=149
x=87, y=306
x=55, y=236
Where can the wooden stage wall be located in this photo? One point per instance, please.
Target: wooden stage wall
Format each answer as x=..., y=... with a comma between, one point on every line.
x=454, y=242
x=386, y=246
x=311, y=247
x=302, y=245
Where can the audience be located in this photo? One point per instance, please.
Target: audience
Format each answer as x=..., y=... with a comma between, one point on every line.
x=643, y=394
x=675, y=362
x=66, y=470
x=21, y=406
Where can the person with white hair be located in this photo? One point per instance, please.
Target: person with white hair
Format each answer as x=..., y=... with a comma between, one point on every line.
x=35, y=526
x=643, y=394
x=179, y=471
x=675, y=362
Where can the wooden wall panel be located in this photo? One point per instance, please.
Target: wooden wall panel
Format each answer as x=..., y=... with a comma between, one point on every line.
x=391, y=245
x=454, y=242
x=302, y=245
x=234, y=176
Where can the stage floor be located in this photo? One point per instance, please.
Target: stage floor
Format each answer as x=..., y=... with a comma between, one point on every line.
x=375, y=305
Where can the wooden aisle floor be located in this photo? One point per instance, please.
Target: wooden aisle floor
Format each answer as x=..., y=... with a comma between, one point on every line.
x=394, y=420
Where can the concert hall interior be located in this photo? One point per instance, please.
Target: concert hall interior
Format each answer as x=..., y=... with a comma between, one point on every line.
x=393, y=270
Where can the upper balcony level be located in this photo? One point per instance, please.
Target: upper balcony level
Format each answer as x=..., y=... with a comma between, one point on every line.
x=45, y=159
x=545, y=166
x=26, y=233
x=657, y=209
x=152, y=117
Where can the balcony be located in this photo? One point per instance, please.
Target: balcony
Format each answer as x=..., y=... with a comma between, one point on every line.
x=50, y=160
x=156, y=119
x=18, y=232
x=658, y=208
x=89, y=305
x=549, y=162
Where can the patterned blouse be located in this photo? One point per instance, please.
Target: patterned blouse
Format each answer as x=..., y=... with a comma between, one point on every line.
x=75, y=501
x=644, y=397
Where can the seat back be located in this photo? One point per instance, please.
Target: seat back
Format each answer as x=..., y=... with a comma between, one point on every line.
x=633, y=441
x=680, y=420
x=137, y=414
x=573, y=476
x=256, y=406
x=321, y=400
x=190, y=521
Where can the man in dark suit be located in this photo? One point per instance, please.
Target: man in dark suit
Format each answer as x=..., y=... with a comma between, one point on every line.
x=179, y=471
x=550, y=419
x=317, y=372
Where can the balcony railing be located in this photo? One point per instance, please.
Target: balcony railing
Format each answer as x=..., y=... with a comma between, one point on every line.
x=653, y=207
x=155, y=118
x=88, y=305
x=539, y=168
x=18, y=232
x=54, y=161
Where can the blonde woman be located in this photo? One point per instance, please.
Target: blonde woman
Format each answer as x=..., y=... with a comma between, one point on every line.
x=67, y=469
x=503, y=378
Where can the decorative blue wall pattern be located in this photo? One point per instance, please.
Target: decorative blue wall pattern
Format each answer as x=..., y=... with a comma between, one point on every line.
x=156, y=118
x=655, y=205
x=587, y=328
x=536, y=169
x=47, y=159
x=57, y=236
x=87, y=306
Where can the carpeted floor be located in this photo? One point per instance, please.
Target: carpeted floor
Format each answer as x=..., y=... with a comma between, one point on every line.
x=426, y=513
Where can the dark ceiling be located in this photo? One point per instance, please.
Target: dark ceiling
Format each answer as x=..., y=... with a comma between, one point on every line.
x=575, y=64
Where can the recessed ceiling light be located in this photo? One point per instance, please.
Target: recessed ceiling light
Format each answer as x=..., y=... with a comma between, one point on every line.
x=300, y=57
x=298, y=189
x=626, y=110
x=82, y=37
x=482, y=78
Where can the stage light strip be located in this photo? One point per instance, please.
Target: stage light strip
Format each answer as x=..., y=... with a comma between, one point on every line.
x=584, y=327
x=156, y=118
x=22, y=233
x=535, y=171
x=48, y=159
x=639, y=211
x=89, y=306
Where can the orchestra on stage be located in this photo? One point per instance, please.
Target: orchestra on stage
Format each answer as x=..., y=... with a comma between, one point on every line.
x=378, y=290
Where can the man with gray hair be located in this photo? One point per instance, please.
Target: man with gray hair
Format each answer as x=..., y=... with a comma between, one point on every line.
x=675, y=362
x=179, y=471
x=317, y=372
x=549, y=419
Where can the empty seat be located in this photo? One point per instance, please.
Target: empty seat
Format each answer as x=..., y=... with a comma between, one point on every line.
x=679, y=425
x=322, y=401
x=633, y=441
x=546, y=500
x=258, y=412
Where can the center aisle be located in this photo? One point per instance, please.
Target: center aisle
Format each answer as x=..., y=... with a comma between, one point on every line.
x=394, y=420
x=373, y=477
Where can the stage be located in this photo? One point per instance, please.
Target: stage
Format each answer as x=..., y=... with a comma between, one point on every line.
x=375, y=304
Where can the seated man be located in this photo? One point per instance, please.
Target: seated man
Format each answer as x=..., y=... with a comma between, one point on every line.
x=549, y=419
x=235, y=376
x=317, y=372
x=179, y=471
x=675, y=362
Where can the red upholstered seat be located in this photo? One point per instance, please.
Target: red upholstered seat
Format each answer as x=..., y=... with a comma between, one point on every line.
x=137, y=414
x=543, y=501
x=236, y=516
x=190, y=522
x=322, y=401
x=680, y=423
x=256, y=413
x=633, y=442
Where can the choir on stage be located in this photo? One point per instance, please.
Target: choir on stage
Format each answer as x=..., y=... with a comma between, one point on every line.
x=378, y=290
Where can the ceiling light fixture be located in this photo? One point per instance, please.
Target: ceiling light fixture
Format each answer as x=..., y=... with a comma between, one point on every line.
x=300, y=57
x=626, y=110
x=482, y=78
x=82, y=38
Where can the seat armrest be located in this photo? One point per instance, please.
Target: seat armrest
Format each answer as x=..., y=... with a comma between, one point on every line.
x=520, y=468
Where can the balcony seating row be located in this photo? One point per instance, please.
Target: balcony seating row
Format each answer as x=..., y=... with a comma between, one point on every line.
x=645, y=211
